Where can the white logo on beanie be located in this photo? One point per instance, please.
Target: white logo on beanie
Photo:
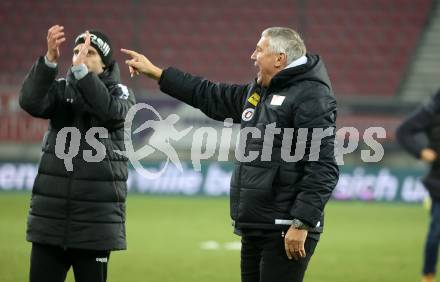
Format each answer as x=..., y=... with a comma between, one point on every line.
x=98, y=42
x=102, y=45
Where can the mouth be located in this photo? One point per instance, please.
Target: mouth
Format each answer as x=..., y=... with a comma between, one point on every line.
x=258, y=68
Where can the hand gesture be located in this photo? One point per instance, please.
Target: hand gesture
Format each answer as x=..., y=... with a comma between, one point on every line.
x=80, y=58
x=138, y=63
x=55, y=36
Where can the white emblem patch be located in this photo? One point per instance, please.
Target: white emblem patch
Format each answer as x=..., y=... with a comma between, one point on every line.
x=248, y=114
x=277, y=100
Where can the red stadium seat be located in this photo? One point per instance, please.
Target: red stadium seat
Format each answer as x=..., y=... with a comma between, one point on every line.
x=367, y=44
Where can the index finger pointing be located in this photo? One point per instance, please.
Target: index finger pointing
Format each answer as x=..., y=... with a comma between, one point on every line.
x=129, y=52
x=87, y=41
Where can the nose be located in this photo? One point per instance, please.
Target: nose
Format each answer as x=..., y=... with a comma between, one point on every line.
x=253, y=57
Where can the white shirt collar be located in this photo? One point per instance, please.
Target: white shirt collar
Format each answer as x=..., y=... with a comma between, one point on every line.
x=300, y=61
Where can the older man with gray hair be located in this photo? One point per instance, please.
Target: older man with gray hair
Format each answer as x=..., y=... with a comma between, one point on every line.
x=277, y=204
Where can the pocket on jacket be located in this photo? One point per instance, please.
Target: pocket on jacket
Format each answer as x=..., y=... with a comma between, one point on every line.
x=260, y=178
x=257, y=194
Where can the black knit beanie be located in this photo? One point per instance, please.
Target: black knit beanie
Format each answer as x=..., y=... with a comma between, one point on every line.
x=101, y=43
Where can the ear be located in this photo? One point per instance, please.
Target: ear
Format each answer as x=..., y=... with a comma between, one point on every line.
x=280, y=60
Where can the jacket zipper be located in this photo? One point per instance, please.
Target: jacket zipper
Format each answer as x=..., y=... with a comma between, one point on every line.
x=67, y=225
x=69, y=188
x=240, y=164
x=239, y=192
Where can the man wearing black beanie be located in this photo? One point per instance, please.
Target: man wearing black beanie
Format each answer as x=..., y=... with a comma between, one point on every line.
x=100, y=42
x=77, y=214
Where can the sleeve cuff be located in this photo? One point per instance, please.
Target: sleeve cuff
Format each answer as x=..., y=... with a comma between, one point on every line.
x=80, y=71
x=308, y=214
x=49, y=63
x=165, y=79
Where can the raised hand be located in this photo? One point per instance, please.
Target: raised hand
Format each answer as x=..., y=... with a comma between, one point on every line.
x=80, y=58
x=138, y=63
x=55, y=36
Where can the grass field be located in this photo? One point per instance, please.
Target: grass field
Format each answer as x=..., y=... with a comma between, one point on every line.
x=362, y=241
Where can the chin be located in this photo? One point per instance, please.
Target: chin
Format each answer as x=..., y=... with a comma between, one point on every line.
x=262, y=82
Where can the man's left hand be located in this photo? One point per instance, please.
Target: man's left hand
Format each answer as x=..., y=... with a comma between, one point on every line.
x=294, y=243
x=80, y=58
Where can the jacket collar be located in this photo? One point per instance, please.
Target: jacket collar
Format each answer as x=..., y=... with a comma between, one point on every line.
x=109, y=77
x=300, y=61
x=313, y=69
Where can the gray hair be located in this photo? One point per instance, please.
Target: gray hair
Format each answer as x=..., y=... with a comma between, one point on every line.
x=285, y=40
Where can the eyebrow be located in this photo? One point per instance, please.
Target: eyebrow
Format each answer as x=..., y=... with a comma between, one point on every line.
x=89, y=51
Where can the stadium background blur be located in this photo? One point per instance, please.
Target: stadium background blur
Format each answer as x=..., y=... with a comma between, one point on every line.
x=383, y=59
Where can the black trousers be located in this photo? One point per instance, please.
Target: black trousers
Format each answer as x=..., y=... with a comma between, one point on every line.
x=263, y=259
x=51, y=264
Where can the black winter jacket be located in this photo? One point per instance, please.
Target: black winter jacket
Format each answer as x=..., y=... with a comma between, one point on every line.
x=84, y=208
x=419, y=130
x=267, y=195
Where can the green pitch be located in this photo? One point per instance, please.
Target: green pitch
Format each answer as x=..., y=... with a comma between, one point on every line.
x=168, y=240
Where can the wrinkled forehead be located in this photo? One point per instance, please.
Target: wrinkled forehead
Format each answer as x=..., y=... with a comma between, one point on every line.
x=263, y=42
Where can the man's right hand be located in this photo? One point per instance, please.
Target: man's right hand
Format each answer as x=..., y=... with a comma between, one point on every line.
x=55, y=36
x=428, y=155
x=138, y=63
